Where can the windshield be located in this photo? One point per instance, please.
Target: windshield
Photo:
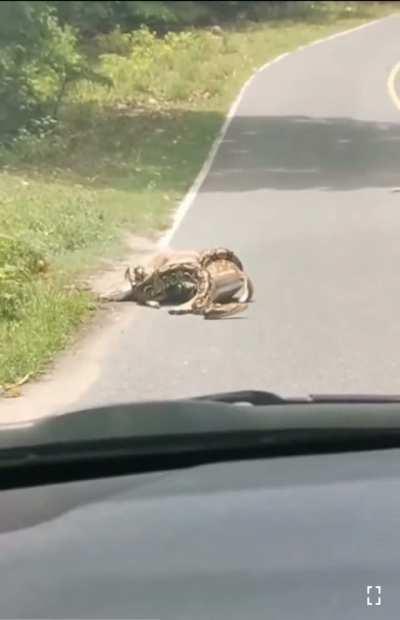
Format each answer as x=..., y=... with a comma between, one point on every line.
x=197, y=197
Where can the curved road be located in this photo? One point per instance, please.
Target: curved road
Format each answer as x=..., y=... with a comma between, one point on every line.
x=301, y=188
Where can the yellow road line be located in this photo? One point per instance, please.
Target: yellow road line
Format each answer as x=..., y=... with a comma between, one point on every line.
x=391, y=85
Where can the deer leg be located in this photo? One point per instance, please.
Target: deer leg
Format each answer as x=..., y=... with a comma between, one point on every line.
x=221, y=311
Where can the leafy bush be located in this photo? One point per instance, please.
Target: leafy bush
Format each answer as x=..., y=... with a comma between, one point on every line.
x=87, y=17
x=38, y=59
x=146, y=69
x=115, y=42
x=91, y=18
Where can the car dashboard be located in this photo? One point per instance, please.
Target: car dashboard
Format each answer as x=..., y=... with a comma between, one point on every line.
x=286, y=537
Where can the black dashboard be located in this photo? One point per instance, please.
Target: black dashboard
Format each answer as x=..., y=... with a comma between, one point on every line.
x=305, y=537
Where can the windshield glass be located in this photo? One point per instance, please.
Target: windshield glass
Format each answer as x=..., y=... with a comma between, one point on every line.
x=197, y=197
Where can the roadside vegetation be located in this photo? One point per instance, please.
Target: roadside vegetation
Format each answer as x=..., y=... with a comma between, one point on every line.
x=107, y=111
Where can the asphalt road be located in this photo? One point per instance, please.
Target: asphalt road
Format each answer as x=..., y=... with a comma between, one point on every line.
x=301, y=189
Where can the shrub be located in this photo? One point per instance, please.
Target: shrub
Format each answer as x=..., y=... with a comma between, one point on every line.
x=38, y=59
x=146, y=69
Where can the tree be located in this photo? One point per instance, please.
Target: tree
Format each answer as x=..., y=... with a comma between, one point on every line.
x=38, y=58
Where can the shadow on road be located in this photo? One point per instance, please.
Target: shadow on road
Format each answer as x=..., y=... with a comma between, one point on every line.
x=259, y=152
x=301, y=152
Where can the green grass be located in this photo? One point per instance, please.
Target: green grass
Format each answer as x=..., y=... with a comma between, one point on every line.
x=50, y=317
x=120, y=160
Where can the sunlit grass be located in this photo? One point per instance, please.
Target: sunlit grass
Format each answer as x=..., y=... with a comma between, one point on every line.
x=50, y=317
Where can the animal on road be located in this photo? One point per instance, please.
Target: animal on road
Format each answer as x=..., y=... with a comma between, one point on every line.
x=211, y=283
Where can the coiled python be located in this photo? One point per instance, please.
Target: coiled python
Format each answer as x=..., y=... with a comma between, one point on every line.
x=211, y=283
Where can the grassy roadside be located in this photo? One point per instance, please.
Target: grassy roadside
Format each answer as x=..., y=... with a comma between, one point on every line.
x=120, y=160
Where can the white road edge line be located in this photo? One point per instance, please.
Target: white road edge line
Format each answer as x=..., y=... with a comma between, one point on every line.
x=190, y=196
x=391, y=85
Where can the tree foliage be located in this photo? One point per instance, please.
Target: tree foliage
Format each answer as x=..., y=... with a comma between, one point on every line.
x=38, y=57
x=41, y=42
x=93, y=17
